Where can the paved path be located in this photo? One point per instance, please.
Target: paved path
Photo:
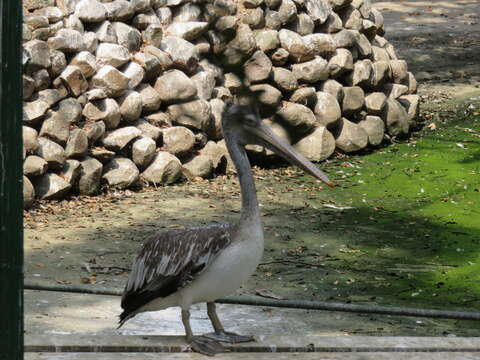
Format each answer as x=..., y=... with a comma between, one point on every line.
x=277, y=347
x=439, y=39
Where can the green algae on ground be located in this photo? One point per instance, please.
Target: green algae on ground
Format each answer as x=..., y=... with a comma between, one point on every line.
x=412, y=235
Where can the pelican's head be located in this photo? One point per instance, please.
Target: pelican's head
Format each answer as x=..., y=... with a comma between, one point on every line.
x=242, y=124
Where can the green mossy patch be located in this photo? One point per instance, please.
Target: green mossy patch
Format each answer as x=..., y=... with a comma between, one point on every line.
x=402, y=227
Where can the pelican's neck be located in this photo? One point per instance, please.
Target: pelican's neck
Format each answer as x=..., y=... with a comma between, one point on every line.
x=250, y=211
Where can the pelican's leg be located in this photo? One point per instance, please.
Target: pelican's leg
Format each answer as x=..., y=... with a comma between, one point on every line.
x=200, y=344
x=220, y=334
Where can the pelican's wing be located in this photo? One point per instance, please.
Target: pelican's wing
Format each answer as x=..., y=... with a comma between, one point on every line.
x=169, y=261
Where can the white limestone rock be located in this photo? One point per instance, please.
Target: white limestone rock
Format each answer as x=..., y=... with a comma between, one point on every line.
x=106, y=110
x=50, y=186
x=28, y=193
x=174, y=86
x=112, y=54
x=90, y=11
x=143, y=151
x=111, y=80
x=117, y=139
x=165, y=169
x=351, y=137
x=90, y=175
x=34, y=166
x=375, y=128
x=130, y=105
x=200, y=166
x=316, y=146
x=53, y=153
x=178, y=140
x=193, y=114
x=120, y=173
x=183, y=53
x=77, y=144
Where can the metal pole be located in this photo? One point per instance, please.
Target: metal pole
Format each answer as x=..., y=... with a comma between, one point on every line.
x=292, y=304
x=11, y=204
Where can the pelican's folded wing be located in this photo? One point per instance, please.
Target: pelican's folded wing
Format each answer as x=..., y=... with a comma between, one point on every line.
x=169, y=261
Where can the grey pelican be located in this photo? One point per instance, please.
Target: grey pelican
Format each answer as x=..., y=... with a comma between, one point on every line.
x=181, y=267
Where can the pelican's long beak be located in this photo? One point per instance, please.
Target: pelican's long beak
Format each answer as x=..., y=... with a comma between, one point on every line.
x=269, y=139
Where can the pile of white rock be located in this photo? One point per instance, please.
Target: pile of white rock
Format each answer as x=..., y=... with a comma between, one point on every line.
x=124, y=93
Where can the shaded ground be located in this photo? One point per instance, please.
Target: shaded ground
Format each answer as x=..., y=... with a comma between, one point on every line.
x=439, y=39
x=401, y=229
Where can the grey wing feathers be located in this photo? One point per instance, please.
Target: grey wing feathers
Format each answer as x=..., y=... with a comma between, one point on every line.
x=169, y=260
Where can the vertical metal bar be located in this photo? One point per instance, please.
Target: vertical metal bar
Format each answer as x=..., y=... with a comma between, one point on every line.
x=11, y=204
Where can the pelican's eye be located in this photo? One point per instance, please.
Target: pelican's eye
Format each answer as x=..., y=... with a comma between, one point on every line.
x=250, y=120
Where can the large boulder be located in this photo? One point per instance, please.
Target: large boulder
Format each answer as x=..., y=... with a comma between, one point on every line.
x=74, y=80
x=258, y=67
x=106, y=110
x=199, y=166
x=351, y=137
x=316, y=146
x=353, y=99
x=299, y=118
x=50, y=186
x=34, y=111
x=56, y=127
x=217, y=154
x=194, y=114
x=178, y=140
x=295, y=45
x=28, y=193
x=68, y=41
x=112, y=54
x=327, y=110
x=130, y=103
x=111, y=80
x=71, y=171
x=174, y=86
x=143, y=151
x=311, y=71
x=90, y=175
x=90, y=11
x=77, y=144
x=284, y=79
x=183, y=53
x=117, y=139
x=396, y=118
x=148, y=129
x=30, y=142
x=411, y=105
x=120, y=172
x=53, y=153
x=34, y=166
x=375, y=128
x=150, y=98
x=164, y=169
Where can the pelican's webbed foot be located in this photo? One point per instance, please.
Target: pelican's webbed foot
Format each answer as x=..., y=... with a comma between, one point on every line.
x=206, y=346
x=228, y=337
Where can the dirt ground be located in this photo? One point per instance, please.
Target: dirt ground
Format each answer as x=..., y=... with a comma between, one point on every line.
x=312, y=250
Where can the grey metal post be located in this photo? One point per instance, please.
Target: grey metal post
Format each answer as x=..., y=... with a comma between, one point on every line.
x=11, y=204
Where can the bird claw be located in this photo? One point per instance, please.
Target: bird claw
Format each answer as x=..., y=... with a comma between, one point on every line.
x=206, y=346
x=229, y=337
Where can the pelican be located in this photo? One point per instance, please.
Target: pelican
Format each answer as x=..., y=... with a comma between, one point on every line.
x=181, y=267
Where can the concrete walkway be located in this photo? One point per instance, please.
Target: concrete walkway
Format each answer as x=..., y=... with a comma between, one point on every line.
x=258, y=356
x=277, y=347
x=75, y=326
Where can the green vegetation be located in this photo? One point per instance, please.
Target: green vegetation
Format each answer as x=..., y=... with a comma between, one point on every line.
x=409, y=230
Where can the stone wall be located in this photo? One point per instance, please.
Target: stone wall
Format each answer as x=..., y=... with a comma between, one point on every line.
x=126, y=93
